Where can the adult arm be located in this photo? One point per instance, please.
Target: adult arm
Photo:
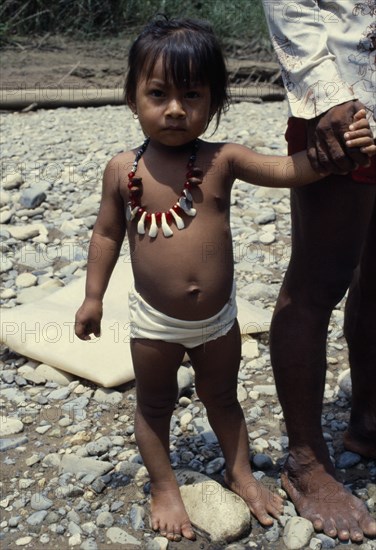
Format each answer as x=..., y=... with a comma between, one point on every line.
x=314, y=85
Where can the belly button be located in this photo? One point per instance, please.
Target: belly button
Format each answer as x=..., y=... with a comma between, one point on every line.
x=194, y=290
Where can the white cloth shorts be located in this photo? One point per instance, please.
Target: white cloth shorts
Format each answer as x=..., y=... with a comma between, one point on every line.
x=147, y=322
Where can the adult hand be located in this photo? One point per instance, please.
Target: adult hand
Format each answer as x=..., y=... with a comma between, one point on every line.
x=326, y=146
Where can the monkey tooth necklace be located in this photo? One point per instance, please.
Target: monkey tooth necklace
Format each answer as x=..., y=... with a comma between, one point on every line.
x=154, y=220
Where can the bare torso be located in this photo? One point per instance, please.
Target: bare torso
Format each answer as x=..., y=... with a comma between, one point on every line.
x=189, y=275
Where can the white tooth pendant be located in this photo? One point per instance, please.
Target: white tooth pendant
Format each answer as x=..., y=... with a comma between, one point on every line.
x=187, y=206
x=131, y=213
x=167, y=231
x=150, y=222
x=153, y=231
x=178, y=220
x=141, y=224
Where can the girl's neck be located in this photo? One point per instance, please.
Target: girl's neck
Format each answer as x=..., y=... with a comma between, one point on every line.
x=161, y=148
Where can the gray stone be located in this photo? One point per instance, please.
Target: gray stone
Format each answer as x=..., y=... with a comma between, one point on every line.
x=215, y=465
x=6, y=264
x=105, y=519
x=326, y=542
x=137, y=515
x=54, y=375
x=37, y=518
x=265, y=389
x=297, y=533
x=315, y=544
x=76, y=464
x=25, y=280
x=266, y=216
x=105, y=395
x=12, y=181
x=185, y=380
x=60, y=394
x=12, y=442
x=10, y=426
x=23, y=541
x=262, y=461
x=33, y=197
x=5, y=216
x=344, y=382
x=214, y=509
x=89, y=544
x=348, y=460
x=98, y=447
x=121, y=537
x=69, y=491
x=205, y=430
x=40, y=502
x=272, y=533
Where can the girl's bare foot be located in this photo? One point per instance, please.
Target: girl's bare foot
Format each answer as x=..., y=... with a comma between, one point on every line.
x=364, y=446
x=168, y=514
x=263, y=504
x=318, y=497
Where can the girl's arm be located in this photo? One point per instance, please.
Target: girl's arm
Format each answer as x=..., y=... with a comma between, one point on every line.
x=294, y=170
x=104, y=250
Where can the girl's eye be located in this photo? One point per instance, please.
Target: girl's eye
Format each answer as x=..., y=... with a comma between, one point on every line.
x=192, y=94
x=156, y=93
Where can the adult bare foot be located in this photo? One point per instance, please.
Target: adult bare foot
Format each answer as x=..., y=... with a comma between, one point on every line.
x=168, y=514
x=318, y=497
x=263, y=504
x=364, y=446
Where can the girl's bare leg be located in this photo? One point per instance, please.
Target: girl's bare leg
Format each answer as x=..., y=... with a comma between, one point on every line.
x=156, y=364
x=216, y=364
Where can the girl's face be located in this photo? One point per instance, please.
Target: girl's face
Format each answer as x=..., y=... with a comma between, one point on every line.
x=169, y=115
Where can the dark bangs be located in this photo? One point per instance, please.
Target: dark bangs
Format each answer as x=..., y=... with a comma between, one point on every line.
x=191, y=56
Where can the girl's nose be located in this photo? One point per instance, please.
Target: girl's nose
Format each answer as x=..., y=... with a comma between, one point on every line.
x=175, y=108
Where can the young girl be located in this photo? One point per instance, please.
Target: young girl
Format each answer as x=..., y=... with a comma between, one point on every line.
x=172, y=197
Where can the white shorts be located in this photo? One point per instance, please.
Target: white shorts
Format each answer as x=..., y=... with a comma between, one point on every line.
x=147, y=322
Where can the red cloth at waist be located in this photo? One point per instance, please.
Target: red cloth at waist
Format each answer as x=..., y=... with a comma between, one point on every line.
x=296, y=137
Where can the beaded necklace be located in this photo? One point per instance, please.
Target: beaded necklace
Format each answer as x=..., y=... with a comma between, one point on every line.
x=184, y=205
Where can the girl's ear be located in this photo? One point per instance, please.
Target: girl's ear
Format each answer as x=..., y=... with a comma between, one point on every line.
x=132, y=107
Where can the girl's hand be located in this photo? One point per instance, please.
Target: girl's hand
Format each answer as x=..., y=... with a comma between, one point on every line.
x=360, y=135
x=88, y=319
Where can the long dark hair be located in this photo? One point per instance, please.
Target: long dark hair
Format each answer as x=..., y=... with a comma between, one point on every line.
x=190, y=52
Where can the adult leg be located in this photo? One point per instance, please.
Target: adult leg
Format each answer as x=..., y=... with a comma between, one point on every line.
x=216, y=365
x=155, y=365
x=330, y=220
x=360, y=332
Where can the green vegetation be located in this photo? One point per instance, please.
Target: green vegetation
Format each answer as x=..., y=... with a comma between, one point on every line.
x=86, y=19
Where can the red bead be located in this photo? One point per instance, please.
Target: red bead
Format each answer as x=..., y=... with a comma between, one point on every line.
x=187, y=185
x=130, y=184
x=158, y=216
x=131, y=175
x=168, y=217
x=148, y=217
x=176, y=208
x=140, y=211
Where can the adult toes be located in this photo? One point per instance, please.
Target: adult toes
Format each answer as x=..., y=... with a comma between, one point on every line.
x=329, y=528
x=368, y=526
x=343, y=530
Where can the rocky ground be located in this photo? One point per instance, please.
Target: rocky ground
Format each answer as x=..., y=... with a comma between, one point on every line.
x=71, y=472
